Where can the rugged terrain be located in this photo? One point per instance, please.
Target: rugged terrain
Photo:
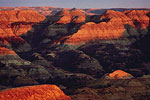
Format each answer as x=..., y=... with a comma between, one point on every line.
x=76, y=50
x=48, y=11
x=41, y=92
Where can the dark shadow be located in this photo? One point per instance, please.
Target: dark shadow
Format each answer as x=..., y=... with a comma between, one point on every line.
x=143, y=44
x=48, y=29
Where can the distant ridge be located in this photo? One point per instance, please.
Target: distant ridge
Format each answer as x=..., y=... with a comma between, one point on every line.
x=53, y=10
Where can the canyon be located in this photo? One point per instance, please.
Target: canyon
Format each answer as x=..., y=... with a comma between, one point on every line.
x=89, y=54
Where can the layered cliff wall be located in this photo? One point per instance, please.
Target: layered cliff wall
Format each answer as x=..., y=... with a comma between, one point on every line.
x=14, y=23
x=111, y=26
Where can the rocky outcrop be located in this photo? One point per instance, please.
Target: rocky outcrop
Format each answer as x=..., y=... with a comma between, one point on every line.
x=40, y=92
x=4, y=51
x=119, y=74
x=8, y=57
x=75, y=28
x=140, y=18
x=55, y=27
x=110, y=26
x=18, y=22
x=14, y=23
x=74, y=16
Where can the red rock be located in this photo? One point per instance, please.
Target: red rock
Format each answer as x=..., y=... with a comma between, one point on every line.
x=15, y=40
x=66, y=17
x=14, y=23
x=5, y=51
x=21, y=15
x=139, y=18
x=18, y=22
x=75, y=16
x=119, y=74
x=111, y=29
x=39, y=92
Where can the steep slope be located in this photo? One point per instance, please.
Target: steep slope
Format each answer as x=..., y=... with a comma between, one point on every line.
x=17, y=22
x=41, y=92
x=75, y=16
x=4, y=51
x=140, y=18
x=14, y=23
x=54, y=27
x=75, y=28
x=8, y=56
x=119, y=74
x=111, y=26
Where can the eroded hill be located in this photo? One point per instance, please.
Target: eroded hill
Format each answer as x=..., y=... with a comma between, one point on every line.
x=73, y=50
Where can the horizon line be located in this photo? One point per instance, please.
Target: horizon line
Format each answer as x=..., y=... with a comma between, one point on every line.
x=82, y=8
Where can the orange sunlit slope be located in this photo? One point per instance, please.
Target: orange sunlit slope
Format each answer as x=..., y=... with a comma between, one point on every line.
x=119, y=74
x=41, y=92
x=111, y=29
x=18, y=22
x=5, y=51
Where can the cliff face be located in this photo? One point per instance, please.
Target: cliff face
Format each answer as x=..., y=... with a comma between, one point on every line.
x=111, y=26
x=8, y=56
x=41, y=92
x=14, y=23
x=75, y=16
x=17, y=22
x=140, y=19
x=4, y=51
x=75, y=28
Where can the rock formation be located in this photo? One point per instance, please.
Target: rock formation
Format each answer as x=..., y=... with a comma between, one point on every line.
x=111, y=26
x=17, y=22
x=4, y=51
x=48, y=11
x=40, y=92
x=140, y=18
x=8, y=56
x=119, y=74
x=14, y=23
x=74, y=16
